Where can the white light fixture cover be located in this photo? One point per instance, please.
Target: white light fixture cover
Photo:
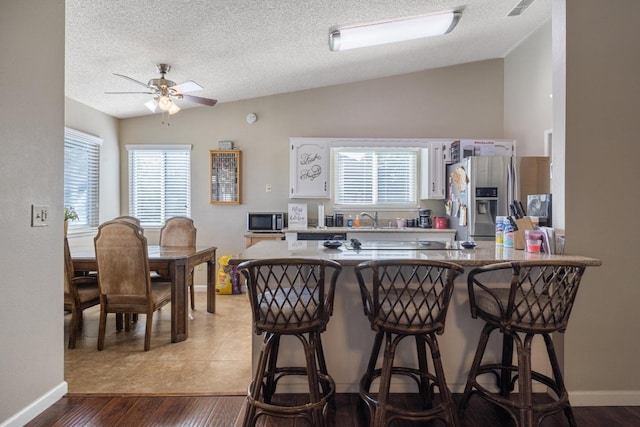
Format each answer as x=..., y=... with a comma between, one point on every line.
x=393, y=31
x=151, y=104
x=173, y=108
x=164, y=103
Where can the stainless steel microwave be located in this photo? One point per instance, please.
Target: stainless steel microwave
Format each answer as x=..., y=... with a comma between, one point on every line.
x=266, y=221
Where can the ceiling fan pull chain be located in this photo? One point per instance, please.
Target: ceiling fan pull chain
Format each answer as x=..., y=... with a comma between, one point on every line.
x=165, y=114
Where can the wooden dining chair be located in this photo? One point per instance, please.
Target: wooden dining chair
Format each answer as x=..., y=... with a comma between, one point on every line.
x=128, y=318
x=80, y=293
x=123, y=276
x=179, y=231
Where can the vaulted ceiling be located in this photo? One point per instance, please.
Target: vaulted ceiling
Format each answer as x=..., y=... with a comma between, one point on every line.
x=242, y=49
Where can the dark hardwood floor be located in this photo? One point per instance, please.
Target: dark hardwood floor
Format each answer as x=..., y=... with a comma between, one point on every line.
x=226, y=411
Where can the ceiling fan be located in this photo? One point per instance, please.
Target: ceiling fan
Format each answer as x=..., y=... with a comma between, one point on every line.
x=165, y=92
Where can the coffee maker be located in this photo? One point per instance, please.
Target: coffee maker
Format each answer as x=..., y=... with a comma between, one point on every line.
x=424, y=218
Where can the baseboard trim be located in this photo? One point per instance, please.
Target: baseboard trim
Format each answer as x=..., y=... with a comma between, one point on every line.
x=36, y=407
x=605, y=398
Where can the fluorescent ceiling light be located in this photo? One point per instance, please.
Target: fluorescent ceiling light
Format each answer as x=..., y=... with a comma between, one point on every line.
x=393, y=31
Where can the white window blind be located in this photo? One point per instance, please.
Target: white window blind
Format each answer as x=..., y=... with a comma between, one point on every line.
x=385, y=177
x=159, y=183
x=82, y=177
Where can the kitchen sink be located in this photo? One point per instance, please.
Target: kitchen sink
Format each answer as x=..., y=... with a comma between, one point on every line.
x=416, y=245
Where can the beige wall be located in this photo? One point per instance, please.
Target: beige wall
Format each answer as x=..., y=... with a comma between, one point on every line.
x=31, y=132
x=601, y=202
x=85, y=119
x=602, y=97
x=528, y=106
x=459, y=101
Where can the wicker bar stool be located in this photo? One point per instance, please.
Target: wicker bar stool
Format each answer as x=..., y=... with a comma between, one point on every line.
x=406, y=298
x=293, y=297
x=522, y=300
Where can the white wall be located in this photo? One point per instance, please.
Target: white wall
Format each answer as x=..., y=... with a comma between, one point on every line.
x=459, y=101
x=31, y=136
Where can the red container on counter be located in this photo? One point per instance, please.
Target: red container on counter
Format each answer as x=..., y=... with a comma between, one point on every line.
x=440, y=222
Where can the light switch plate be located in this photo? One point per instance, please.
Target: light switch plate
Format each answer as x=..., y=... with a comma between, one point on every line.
x=39, y=215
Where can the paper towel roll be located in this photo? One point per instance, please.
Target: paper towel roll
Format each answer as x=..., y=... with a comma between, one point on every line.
x=320, y=215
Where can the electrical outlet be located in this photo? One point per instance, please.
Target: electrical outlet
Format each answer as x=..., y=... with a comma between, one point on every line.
x=268, y=189
x=39, y=215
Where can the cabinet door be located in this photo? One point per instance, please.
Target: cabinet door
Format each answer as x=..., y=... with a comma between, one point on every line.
x=309, y=168
x=432, y=171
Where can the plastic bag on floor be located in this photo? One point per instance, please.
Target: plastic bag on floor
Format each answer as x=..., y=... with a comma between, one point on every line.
x=228, y=282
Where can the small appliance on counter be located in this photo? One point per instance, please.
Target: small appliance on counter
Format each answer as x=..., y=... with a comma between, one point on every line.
x=440, y=223
x=424, y=218
x=540, y=205
x=269, y=222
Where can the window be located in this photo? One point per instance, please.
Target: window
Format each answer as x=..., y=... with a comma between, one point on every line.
x=82, y=177
x=159, y=182
x=384, y=177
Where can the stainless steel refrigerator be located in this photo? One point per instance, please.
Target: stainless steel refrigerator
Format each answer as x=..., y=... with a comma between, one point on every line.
x=482, y=187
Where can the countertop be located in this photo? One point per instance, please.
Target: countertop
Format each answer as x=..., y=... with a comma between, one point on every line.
x=484, y=253
x=369, y=230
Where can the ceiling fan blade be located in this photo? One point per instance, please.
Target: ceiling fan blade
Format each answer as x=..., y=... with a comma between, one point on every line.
x=133, y=80
x=200, y=100
x=188, y=86
x=119, y=93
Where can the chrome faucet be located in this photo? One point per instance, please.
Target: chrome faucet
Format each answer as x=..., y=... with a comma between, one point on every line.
x=374, y=218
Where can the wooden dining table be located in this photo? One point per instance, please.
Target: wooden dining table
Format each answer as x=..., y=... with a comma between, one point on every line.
x=175, y=263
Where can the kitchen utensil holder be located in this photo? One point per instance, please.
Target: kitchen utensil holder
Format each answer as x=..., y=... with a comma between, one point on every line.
x=523, y=224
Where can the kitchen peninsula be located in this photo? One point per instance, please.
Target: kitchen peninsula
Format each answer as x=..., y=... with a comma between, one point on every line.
x=370, y=233
x=348, y=338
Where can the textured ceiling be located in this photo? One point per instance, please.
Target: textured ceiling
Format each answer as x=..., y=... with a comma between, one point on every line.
x=241, y=49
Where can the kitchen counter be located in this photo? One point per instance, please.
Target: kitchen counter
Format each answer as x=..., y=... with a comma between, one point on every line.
x=370, y=230
x=484, y=253
x=348, y=338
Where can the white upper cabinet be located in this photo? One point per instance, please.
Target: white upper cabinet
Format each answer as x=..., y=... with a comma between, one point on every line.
x=309, y=170
x=432, y=170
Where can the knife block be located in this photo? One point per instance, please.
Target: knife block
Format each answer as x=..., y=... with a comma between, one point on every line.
x=523, y=224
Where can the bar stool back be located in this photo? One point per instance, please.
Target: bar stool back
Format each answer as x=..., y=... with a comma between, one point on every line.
x=522, y=300
x=292, y=296
x=406, y=298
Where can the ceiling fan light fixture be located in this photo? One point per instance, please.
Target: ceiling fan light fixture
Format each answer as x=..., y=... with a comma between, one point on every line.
x=393, y=31
x=152, y=105
x=164, y=102
x=174, y=108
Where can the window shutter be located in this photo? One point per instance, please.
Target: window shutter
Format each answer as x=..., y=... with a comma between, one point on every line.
x=82, y=177
x=376, y=176
x=159, y=183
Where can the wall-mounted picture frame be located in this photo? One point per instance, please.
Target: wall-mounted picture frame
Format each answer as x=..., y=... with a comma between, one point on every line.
x=225, y=185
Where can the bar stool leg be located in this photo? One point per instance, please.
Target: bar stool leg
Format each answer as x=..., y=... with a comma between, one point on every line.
x=256, y=385
x=367, y=378
x=425, y=390
x=560, y=389
x=445, y=395
x=272, y=359
x=310, y=352
x=475, y=366
x=385, y=380
x=322, y=364
x=525, y=387
x=504, y=382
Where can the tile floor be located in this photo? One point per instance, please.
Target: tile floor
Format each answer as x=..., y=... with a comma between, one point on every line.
x=215, y=359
